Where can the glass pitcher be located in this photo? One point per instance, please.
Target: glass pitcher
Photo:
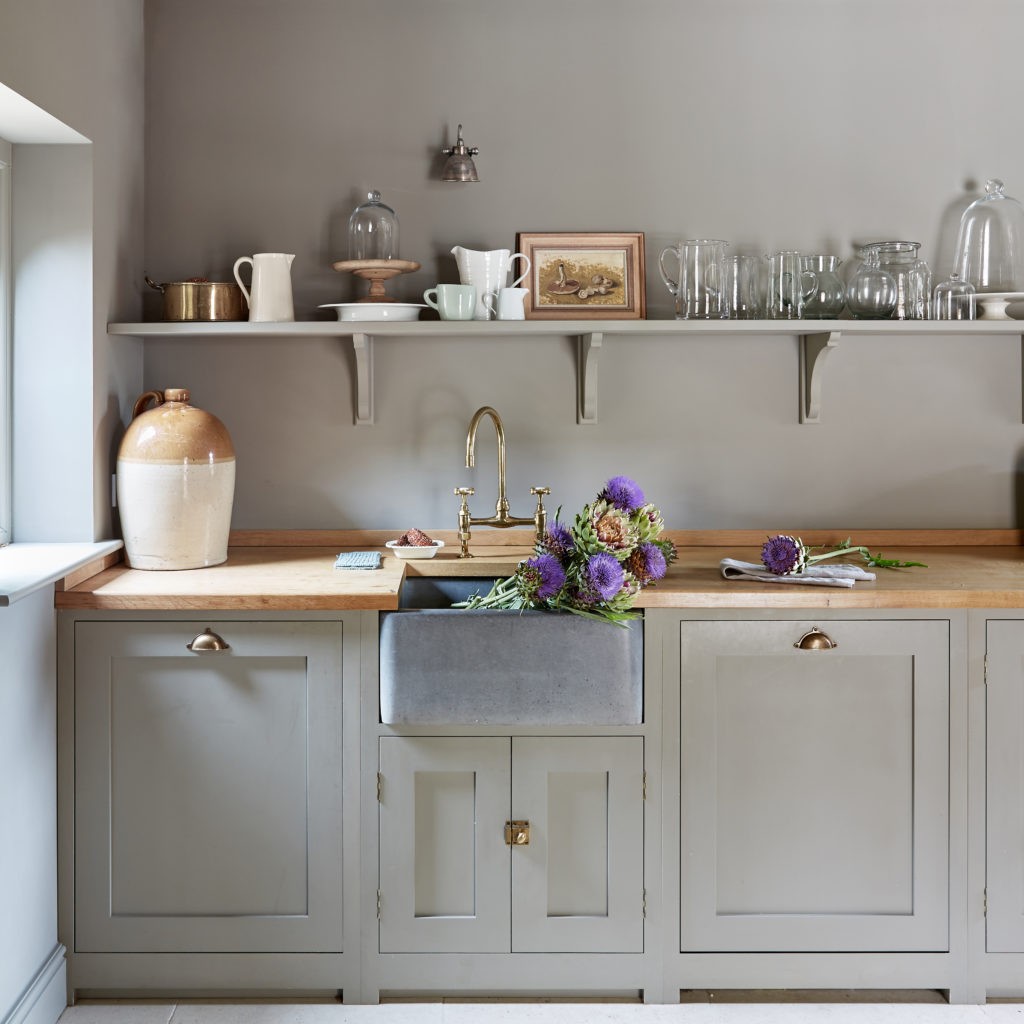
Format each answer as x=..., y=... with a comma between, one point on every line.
x=827, y=300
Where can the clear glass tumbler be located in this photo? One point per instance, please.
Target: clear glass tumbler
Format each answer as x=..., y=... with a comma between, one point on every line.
x=742, y=288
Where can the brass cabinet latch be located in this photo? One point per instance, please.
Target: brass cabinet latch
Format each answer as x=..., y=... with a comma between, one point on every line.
x=517, y=833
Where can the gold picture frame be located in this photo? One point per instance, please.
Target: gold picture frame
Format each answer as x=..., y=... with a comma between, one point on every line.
x=584, y=275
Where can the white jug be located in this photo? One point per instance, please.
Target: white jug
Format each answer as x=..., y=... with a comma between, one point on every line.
x=271, y=298
x=488, y=273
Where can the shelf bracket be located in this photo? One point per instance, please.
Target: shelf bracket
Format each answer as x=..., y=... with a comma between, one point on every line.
x=363, y=346
x=813, y=350
x=588, y=351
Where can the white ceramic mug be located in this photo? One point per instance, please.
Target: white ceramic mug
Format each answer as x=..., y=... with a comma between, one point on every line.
x=452, y=301
x=509, y=304
x=271, y=297
x=488, y=272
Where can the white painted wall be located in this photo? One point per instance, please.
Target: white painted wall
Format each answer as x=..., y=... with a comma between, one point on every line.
x=795, y=123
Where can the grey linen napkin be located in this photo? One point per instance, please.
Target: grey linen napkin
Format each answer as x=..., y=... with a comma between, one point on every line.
x=838, y=574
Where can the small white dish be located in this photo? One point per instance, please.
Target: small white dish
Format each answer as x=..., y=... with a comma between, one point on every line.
x=996, y=305
x=398, y=311
x=414, y=551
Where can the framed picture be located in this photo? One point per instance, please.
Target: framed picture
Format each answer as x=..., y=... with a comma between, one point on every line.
x=584, y=274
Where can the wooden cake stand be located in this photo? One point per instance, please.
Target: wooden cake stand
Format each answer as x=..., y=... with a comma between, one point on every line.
x=376, y=272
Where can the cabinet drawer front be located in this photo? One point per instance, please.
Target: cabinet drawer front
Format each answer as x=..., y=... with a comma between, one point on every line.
x=208, y=787
x=814, y=786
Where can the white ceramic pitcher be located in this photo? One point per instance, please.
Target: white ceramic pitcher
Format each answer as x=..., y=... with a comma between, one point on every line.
x=271, y=296
x=488, y=273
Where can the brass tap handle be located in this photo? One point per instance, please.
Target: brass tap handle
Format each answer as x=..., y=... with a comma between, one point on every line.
x=464, y=520
x=540, y=515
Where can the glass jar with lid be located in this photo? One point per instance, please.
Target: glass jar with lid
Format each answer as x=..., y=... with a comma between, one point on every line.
x=912, y=276
x=373, y=230
x=990, y=245
x=954, y=299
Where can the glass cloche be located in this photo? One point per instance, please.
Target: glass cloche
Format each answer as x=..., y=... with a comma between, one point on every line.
x=990, y=246
x=373, y=230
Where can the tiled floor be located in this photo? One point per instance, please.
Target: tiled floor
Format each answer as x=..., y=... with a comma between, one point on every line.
x=763, y=1010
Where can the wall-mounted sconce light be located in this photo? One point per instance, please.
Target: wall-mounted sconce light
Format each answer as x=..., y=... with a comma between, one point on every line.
x=459, y=166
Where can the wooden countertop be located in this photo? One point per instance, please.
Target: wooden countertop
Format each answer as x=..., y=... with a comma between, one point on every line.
x=295, y=572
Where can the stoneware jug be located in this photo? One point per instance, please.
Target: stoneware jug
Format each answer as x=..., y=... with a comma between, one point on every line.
x=271, y=297
x=488, y=273
x=175, y=484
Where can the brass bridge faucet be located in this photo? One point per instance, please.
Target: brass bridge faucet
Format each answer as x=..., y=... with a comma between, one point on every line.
x=501, y=518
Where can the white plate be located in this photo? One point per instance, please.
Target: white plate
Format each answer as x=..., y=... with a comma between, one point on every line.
x=414, y=551
x=376, y=310
x=995, y=305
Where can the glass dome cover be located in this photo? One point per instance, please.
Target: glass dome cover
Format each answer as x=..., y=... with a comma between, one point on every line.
x=990, y=246
x=373, y=230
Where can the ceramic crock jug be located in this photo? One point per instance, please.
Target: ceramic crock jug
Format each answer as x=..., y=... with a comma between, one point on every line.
x=271, y=297
x=488, y=273
x=175, y=484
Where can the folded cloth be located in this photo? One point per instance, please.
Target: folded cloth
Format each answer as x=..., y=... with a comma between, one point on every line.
x=358, y=560
x=837, y=574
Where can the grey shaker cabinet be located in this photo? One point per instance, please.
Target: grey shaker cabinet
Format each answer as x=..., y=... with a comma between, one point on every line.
x=1004, y=869
x=814, y=786
x=208, y=787
x=449, y=881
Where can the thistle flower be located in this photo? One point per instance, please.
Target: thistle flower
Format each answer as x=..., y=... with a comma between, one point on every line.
x=540, y=578
x=623, y=493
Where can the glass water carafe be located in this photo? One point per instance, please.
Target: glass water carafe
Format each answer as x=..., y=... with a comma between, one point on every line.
x=871, y=294
x=829, y=296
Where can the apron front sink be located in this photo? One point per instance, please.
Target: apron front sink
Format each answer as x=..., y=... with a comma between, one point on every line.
x=447, y=666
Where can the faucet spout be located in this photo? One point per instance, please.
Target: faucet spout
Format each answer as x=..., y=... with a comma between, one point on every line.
x=501, y=506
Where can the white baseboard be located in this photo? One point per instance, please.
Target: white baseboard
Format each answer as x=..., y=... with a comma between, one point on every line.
x=45, y=998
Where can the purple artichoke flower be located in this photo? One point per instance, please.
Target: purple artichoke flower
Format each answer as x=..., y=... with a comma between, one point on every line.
x=558, y=541
x=602, y=578
x=623, y=493
x=647, y=563
x=541, y=578
x=783, y=555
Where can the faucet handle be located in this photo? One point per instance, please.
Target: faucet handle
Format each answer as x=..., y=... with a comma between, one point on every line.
x=464, y=492
x=540, y=515
x=540, y=492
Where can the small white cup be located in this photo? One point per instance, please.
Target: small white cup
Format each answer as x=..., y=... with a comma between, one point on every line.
x=509, y=305
x=452, y=301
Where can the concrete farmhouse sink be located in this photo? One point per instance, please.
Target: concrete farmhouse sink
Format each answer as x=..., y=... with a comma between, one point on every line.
x=445, y=666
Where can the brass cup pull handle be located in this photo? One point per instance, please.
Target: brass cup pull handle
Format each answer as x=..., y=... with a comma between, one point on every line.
x=815, y=640
x=208, y=642
x=517, y=833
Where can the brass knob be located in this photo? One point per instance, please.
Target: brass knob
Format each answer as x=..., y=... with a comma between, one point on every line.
x=464, y=491
x=207, y=642
x=540, y=490
x=815, y=640
x=517, y=833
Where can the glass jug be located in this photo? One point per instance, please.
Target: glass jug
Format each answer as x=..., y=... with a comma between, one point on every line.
x=694, y=279
x=827, y=300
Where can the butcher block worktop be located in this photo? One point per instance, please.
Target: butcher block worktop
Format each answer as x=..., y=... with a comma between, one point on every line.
x=294, y=571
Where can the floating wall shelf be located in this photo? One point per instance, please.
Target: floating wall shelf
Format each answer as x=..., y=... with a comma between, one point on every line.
x=817, y=340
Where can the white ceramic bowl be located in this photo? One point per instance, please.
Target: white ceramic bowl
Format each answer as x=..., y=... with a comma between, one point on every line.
x=376, y=310
x=414, y=551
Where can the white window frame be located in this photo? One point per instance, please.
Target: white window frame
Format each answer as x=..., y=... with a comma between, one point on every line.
x=6, y=385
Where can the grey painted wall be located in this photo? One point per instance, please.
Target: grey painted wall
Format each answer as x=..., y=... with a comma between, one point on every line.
x=81, y=62
x=792, y=123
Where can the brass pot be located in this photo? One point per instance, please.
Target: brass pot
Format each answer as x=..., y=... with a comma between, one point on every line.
x=199, y=299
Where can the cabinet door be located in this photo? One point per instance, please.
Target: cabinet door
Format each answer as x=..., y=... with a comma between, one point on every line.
x=578, y=886
x=444, y=865
x=1004, y=923
x=208, y=787
x=814, y=786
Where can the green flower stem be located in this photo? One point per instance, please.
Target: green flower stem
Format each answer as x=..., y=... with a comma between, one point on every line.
x=875, y=560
